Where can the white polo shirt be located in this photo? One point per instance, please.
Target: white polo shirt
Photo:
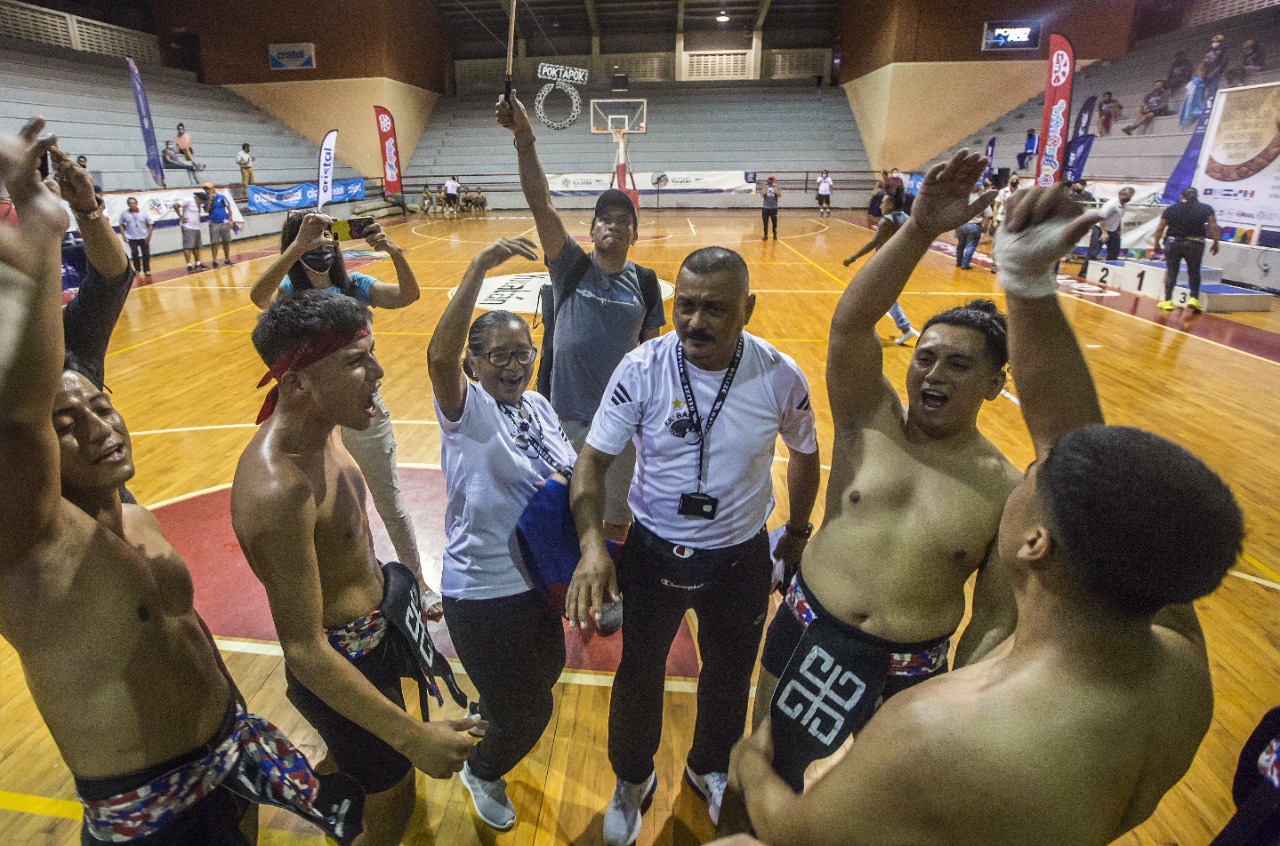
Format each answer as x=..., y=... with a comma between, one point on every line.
x=1114, y=212
x=488, y=481
x=824, y=186
x=644, y=402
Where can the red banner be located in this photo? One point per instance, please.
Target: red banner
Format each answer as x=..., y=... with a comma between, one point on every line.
x=390, y=152
x=1057, y=111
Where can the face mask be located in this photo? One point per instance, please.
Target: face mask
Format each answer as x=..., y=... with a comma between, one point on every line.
x=319, y=260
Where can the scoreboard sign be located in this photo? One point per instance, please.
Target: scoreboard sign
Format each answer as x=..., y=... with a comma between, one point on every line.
x=1011, y=35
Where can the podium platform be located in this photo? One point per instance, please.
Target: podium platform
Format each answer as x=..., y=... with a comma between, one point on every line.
x=1147, y=279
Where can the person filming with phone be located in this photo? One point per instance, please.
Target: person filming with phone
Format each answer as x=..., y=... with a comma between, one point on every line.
x=704, y=406
x=310, y=258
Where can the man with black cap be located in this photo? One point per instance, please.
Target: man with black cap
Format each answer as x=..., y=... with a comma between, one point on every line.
x=604, y=306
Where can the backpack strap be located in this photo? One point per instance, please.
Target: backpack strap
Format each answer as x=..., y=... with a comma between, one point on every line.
x=550, y=306
x=650, y=290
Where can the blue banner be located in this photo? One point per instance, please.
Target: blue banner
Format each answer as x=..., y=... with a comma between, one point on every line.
x=1084, y=117
x=148, y=129
x=1185, y=171
x=302, y=196
x=991, y=158
x=1077, y=154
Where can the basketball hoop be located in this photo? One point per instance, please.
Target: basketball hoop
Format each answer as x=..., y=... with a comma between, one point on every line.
x=619, y=134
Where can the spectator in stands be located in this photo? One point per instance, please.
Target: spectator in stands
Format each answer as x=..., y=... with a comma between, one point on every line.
x=1154, y=104
x=1180, y=71
x=171, y=159
x=440, y=200
x=771, y=193
x=480, y=202
x=464, y=201
x=1108, y=111
x=1214, y=62
x=427, y=201
x=451, y=186
x=245, y=162
x=183, y=142
x=1188, y=222
x=1251, y=62
x=188, y=211
x=873, y=207
x=1029, y=148
x=894, y=186
x=83, y=163
x=135, y=227
x=824, y=195
x=218, y=207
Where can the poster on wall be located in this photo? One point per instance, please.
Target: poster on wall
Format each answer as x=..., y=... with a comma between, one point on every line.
x=1239, y=168
x=299, y=56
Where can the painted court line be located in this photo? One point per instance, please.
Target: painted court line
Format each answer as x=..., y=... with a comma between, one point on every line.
x=1267, y=583
x=183, y=329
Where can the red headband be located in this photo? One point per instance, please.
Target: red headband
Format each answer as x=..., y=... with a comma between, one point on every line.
x=322, y=345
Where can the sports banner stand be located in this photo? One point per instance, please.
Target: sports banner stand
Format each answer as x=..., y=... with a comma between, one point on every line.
x=148, y=128
x=390, y=152
x=1057, y=111
x=325, y=176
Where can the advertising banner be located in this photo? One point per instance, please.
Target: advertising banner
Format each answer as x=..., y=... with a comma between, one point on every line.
x=1084, y=117
x=300, y=56
x=148, y=128
x=1057, y=111
x=678, y=182
x=390, y=152
x=1238, y=172
x=1078, y=150
x=303, y=196
x=325, y=169
x=158, y=205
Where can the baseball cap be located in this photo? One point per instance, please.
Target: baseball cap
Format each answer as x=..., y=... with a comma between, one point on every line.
x=615, y=199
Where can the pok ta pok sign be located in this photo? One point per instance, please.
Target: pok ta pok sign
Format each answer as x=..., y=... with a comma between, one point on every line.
x=390, y=153
x=1057, y=111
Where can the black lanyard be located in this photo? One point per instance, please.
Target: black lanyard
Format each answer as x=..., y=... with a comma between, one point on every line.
x=529, y=433
x=705, y=431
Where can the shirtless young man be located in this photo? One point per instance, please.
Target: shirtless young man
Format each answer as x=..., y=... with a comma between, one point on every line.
x=914, y=498
x=1070, y=731
x=350, y=629
x=93, y=599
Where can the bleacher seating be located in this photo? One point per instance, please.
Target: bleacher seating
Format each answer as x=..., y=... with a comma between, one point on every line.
x=1151, y=153
x=88, y=103
x=691, y=127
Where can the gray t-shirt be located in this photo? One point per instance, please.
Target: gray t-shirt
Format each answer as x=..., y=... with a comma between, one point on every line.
x=595, y=328
x=770, y=197
x=135, y=225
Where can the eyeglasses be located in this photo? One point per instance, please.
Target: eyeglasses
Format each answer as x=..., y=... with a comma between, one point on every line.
x=501, y=358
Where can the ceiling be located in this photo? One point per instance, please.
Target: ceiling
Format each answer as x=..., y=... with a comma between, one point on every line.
x=482, y=24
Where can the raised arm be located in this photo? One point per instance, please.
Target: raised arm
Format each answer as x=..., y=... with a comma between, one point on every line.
x=533, y=182
x=275, y=524
x=310, y=236
x=449, y=341
x=30, y=345
x=1041, y=225
x=855, y=382
x=405, y=291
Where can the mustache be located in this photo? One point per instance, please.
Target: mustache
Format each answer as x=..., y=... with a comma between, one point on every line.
x=699, y=336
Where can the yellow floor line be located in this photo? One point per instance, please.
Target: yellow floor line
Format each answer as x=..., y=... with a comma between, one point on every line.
x=1254, y=562
x=814, y=263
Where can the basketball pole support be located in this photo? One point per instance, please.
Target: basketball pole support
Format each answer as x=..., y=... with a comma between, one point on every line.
x=621, y=171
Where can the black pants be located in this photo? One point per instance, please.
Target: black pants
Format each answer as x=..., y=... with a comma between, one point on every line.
x=513, y=650
x=765, y=216
x=729, y=590
x=141, y=252
x=1176, y=250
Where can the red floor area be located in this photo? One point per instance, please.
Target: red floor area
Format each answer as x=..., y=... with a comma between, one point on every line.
x=233, y=603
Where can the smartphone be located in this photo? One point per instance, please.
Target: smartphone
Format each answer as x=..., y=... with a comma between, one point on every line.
x=351, y=229
x=46, y=165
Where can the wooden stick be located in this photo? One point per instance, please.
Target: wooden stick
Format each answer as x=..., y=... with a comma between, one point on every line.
x=511, y=47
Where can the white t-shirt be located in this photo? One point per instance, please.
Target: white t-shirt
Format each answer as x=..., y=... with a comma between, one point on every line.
x=824, y=186
x=488, y=481
x=644, y=402
x=190, y=216
x=1002, y=199
x=244, y=159
x=1114, y=212
x=451, y=186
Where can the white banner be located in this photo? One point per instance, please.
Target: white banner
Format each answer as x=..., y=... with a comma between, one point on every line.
x=1239, y=169
x=158, y=205
x=300, y=56
x=679, y=182
x=325, y=178
x=518, y=292
x=562, y=73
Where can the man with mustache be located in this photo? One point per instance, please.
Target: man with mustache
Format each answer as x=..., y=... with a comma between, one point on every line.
x=704, y=406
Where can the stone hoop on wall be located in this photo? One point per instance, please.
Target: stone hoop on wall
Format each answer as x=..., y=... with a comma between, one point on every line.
x=574, y=98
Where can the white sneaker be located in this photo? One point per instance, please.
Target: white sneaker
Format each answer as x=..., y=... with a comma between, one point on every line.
x=711, y=788
x=490, y=800
x=622, y=817
x=908, y=335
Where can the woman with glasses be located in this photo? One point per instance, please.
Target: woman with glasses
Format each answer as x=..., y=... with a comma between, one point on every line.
x=310, y=258
x=499, y=443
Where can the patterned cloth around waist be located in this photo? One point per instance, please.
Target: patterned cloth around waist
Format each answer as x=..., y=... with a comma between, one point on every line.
x=921, y=663
x=285, y=779
x=359, y=637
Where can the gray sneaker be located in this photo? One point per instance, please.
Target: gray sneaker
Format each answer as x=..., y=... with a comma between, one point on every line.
x=622, y=817
x=490, y=800
x=711, y=788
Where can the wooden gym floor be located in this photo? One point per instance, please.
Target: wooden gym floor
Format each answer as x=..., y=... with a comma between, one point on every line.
x=182, y=372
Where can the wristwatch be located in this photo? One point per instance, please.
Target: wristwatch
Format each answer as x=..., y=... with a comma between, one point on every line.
x=803, y=534
x=90, y=215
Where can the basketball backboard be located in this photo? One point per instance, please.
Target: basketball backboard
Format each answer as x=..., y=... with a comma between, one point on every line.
x=627, y=115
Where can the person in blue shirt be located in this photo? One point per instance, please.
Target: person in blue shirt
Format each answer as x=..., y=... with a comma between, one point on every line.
x=218, y=208
x=1029, y=149
x=310, y=258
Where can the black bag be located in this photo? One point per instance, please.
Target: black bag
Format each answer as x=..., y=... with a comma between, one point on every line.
x=650, y=291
